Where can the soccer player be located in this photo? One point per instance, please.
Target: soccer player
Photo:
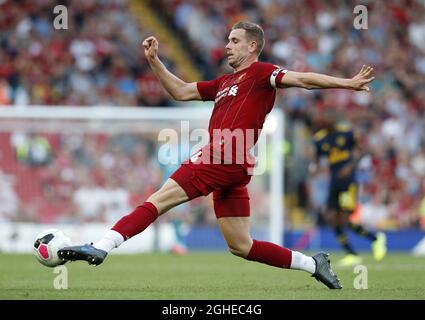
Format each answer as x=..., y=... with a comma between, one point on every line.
x=338, y=144
x=242, y=101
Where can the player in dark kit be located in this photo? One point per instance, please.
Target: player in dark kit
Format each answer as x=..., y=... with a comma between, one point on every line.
x=242, y=101
x=338, y=144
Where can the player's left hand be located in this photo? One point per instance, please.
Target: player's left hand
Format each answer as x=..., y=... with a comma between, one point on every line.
x=361, y=80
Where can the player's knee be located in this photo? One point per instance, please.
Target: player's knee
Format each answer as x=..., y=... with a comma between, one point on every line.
x=237, y=252
x=160, y=201
x=167, y=198
x=239, y=249
x=155, y=199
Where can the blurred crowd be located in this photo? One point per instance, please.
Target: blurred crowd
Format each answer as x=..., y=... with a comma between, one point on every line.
x=86, y=177
x=77, y=177
x=98, y=61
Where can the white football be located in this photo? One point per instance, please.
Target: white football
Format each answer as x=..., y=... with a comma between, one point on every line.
x=47, y=244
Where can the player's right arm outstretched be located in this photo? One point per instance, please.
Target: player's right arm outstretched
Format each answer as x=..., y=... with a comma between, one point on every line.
x=177, y=88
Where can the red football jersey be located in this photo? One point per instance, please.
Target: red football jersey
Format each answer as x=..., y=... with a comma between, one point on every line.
x=242, y=101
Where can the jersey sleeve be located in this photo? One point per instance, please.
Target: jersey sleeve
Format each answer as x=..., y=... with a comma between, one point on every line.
x=276, y=77
x=270, y=75
x=208, y=89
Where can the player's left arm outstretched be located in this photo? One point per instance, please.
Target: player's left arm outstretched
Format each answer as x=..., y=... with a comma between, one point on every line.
x=311, y=80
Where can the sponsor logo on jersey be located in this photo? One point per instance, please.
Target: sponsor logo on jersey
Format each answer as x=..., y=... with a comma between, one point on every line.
x=233, y=91
x=228, y=91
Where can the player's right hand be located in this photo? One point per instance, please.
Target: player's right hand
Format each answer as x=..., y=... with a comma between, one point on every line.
x=151, y=47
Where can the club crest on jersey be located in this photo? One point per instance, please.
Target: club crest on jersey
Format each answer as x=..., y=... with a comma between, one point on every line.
x=240, y=78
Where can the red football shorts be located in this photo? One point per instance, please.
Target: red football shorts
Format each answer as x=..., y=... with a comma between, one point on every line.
x=227, y=182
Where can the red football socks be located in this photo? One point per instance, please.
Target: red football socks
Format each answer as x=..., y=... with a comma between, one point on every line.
x=271, y=254
x=136, y=221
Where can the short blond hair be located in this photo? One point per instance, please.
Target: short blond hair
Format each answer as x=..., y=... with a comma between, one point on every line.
x=253, y=33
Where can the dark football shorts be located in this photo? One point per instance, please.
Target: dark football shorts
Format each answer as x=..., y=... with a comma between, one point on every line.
x=343, y=196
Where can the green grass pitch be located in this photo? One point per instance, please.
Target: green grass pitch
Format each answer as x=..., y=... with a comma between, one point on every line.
x=205, y=275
